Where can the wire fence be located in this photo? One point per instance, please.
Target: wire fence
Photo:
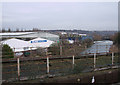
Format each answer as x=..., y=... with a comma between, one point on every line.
x=55, y=67
x=58, y=51
x=87, y=60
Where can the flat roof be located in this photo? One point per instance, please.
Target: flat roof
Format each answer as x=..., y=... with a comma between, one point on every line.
x=15, y=33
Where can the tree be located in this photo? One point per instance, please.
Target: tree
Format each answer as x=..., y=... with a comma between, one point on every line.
x=97, y=37
x=41, y=52
x=88, y=42
x=17, y=30
x=21, y=30
x=54, y=49
x=3, y=30
x=35, y=29
x=9, y=30
x=117, y=39
x=7, y=52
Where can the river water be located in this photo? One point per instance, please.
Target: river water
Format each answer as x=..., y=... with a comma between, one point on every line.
x=99, y=47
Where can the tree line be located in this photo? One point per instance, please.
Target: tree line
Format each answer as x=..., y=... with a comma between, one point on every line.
x=19, y=30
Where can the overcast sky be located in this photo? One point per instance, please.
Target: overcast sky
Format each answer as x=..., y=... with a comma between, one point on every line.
x=60, y=15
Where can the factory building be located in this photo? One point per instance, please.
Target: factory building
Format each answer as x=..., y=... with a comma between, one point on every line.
x=30, y=35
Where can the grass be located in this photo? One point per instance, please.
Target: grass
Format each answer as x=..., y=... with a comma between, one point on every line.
x=72, y=76
x=61, y=66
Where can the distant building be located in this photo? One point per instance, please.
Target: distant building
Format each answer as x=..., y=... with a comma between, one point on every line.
x=17, y=45
x=30, y=35
x=71, y=41
x=21, y=47
x=76, y=37
x=83, y=34
x=86, y=37
x=40, y=42
x=63, y=33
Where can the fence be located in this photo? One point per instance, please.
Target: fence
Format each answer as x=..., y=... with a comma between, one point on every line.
x=80, y=60
x=55, y=67
x=59, y=51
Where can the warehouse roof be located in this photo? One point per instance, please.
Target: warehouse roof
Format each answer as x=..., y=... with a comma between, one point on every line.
x=17, y=45
x=15, y=33
x=45, y=35
x=41, y=42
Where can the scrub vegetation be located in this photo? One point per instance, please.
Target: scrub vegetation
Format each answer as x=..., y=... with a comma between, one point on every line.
x=7, y=52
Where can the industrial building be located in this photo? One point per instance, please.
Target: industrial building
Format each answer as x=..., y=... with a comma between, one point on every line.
x=30, y=35
x=40, y=42
x=17, y=45
x=23, y=42
x=21, y=47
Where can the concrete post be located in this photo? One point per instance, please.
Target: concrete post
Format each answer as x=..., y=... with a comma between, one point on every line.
x=60, y=50
x=112, y=58
x=18, y=66
x=48, y=65
x=73, y=61
x=94, y=60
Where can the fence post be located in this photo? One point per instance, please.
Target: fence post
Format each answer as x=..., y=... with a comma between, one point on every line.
x=60, y=50
x=46, y=51
x=31, y=51
x=112, y=57
x=18, y=65
x=14, y=52
x=94, y=60
x=96, y=49
x=48, y=65
x=106, y=49
x=73, y=59
x=73, y=62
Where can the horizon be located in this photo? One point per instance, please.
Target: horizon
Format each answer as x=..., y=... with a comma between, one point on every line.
x=15, y=30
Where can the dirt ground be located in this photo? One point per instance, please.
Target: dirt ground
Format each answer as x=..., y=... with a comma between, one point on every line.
x=107, y=76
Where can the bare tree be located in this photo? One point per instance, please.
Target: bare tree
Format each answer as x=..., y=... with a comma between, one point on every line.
x=21, y=30
x=35, y=29
x=17, y=30
x=9, y=30
x=3, y=30
x=97, y=37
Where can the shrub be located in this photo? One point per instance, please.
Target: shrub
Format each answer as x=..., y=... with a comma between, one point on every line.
x=7, y=52
x=55, y=50
x=41, y=52
x=117, y=39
